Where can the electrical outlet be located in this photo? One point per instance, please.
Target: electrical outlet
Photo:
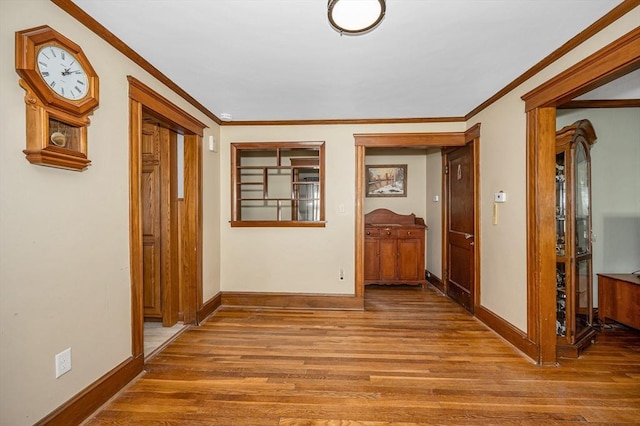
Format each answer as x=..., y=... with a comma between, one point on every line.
x=341, y=274
x=63, y=362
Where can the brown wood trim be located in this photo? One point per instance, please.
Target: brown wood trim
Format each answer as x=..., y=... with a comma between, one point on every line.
x=209, y=308
x=102, y=32
x=135, y=228
x=613, y=103
x=472, y=135
x=360, y=180
x=277, y=224
x=278, y=144
x=86, y=402
x=434, y=281
x=607, y=64
x=170, y=291
x=541, y=238
x=292, y=300
x=161, y=105
x=192, y=227
x=422, y=140
x=507, y=331
x=472, y=132
x=344, y=121
x=616, y=13
x=181, y=252
x=533, y=292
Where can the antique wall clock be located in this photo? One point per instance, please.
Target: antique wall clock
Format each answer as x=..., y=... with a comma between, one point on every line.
x=61, y=93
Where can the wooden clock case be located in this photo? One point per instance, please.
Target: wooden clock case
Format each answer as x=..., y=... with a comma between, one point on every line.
x=56, y=127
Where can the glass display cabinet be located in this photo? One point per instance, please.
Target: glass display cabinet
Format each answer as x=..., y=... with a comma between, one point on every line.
x=574, y=275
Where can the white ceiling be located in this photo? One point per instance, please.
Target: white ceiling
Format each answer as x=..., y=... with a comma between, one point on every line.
x=280, y=59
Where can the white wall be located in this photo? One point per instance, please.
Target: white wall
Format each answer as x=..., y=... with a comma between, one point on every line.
x=64, y=244
x=615, y=187
x=307, y=259
x=416, y=162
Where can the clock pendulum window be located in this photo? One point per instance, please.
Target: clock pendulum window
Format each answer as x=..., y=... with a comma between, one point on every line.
x=61, y=93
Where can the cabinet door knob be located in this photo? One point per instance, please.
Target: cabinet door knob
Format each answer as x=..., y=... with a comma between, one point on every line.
x=408, y=232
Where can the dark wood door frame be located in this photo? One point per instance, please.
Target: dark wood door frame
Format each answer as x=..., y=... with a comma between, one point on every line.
x=609, y=63
x=143, y=101
x=392, y=140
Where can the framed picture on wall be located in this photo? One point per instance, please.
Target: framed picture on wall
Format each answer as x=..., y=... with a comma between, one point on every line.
x=386, y=180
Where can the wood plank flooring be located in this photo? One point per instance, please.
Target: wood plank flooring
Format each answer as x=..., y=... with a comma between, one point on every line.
x=412, y=357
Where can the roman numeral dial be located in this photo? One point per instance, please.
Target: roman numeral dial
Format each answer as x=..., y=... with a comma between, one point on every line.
x=62, y=72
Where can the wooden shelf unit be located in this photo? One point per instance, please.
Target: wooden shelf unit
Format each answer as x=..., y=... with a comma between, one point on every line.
x=282, y=182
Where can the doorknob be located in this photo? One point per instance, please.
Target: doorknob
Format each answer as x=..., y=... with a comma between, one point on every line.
x=467, y=236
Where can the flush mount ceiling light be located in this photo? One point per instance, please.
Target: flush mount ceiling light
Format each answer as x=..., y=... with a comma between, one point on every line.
x=355, y=16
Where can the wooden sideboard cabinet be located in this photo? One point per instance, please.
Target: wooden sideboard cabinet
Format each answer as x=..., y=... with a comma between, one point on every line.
x=619, y=298
x=394, y=248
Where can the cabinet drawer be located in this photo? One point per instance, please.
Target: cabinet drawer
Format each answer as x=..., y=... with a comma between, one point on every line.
x=388, y=233
x=409, y=233
x=368, y=232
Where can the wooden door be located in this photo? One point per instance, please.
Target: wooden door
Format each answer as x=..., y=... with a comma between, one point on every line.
x=460, y=182
x=409, y=260
x=159, y=225
x=151, y=235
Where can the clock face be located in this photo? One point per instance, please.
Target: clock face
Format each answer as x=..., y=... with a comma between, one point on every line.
x=62, y=72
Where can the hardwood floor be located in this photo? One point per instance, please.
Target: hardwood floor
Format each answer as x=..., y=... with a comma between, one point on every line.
x=412, y=357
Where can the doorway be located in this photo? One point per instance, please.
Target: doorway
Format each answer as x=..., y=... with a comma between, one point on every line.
x=162, y=195
x=409, y=140
x=153, y=118
x=611, y=62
